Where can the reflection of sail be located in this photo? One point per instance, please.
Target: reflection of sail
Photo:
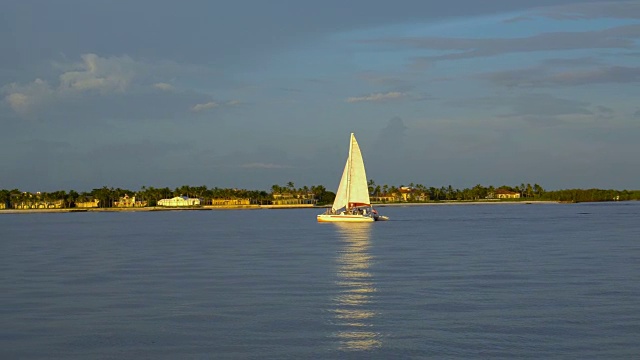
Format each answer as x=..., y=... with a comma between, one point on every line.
x=356, y=286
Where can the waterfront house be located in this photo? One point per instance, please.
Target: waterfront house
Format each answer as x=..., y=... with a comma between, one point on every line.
x=384, y=198
x=506, y=194
x=230, y=202
x=87, y=203
x=180, y=201
x=129, y=202
x=291, y=199
x=38, y=204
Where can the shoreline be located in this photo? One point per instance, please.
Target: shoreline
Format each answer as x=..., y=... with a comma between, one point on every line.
x=262, y=207
x=463, y=202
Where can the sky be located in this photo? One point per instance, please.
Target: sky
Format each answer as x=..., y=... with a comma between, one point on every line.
x=248, y=94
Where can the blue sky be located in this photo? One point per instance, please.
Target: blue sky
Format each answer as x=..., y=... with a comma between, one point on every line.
x=254, y=93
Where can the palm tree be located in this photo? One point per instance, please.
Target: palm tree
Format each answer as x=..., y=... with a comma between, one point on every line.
x=275, y=189
x=450, y=192
x=537, y=190
x=372, y=185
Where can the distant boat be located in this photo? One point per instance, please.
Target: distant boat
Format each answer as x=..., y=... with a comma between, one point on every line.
x=352, y=202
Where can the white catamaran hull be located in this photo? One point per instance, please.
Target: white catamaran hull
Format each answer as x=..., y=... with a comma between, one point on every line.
x=344, y=218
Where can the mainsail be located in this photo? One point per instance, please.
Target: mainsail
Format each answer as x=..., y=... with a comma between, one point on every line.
x=353, y=189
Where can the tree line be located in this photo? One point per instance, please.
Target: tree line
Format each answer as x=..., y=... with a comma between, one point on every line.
x=107, y=196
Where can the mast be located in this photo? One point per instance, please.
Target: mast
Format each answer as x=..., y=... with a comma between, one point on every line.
x=349, y=161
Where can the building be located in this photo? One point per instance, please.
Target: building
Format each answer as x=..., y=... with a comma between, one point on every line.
x=179, y=201
x=88, y=203
x=128, y=202
x=384, y=198
x=506, y=194
x=230, y=202
x=290, y=199
x=38, y=204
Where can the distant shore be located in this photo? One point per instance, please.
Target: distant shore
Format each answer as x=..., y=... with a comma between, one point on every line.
x=261, y=207
x=463, y=202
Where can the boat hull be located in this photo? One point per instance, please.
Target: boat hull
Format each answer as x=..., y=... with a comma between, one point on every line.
x=344, y=218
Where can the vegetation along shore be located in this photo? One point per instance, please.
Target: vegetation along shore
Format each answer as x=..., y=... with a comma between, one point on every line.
x=287, y=196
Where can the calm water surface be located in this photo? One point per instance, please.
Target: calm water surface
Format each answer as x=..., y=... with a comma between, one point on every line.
x=473, y=281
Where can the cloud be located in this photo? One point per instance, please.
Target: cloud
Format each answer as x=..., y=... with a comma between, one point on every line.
x=18, y=102
x=545, y=105
x=604, y=112
x=384, y=80
x=622, y=37
x=517, y=19
x=536, y=108
x=107, y=87
x=100, y=74
x=594, y=10
x=163, y=86
x=377, y=97
x=604, y=109
x=212, y=105
x=24, y=98
x=549, y=75
x=390, y=144
x=206, y=106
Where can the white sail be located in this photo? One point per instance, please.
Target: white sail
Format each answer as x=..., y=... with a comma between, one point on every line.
x=353, y=188
x=341, y=194
x=358, y=188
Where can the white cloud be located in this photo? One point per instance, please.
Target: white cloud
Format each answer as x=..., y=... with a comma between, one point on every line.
x=113, y=74
x=205, y=106
x=163, y=86
x=100, y=82
x=376, y=97
x=18, y=102
x=25, y=98
x=212, y=104
x=105, y=75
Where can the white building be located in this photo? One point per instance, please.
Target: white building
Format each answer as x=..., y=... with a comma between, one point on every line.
x=179, y=201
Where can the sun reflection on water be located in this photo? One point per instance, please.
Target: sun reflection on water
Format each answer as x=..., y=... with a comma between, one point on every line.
x=352, y=305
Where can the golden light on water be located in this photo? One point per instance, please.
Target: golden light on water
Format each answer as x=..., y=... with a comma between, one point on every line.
x=352, y=311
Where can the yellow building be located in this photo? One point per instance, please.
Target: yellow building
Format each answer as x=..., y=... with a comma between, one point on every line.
x=128, y=202
x=38, y=204
x=506, y=194
x=290, y=199
x=87, y=204
x=179, y=201
x=230, y=202
x=384, y=198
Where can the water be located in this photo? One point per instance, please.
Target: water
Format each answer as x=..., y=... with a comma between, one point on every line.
x=475, y=281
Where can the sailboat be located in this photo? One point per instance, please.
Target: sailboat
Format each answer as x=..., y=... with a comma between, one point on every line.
x=352, y=202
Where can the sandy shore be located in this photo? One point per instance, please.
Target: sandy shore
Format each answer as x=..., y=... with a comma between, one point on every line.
x=260, y=207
